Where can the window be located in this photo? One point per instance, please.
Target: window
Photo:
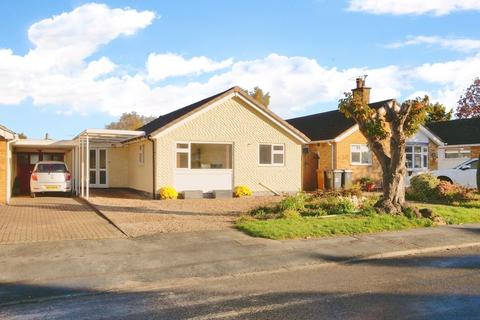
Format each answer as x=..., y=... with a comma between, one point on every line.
x=34, y=158
x=203, y=156
x=457, y=153
x=416, y=157
x=271, y=154
x=470, y=165
x=51, y=167
x=141, y=154
x=360, y=154
x=182, y=154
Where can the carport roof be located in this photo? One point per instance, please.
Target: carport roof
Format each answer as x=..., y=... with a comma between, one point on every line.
x=109, y=136
x=33, y=143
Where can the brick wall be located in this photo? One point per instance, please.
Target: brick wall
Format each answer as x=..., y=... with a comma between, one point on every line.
x=3, y=171
x=475, y=152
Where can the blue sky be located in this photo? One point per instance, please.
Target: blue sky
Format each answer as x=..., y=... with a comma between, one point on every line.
x=76, y=64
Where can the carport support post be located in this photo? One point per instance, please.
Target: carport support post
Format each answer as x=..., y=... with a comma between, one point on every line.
x=81, y=168
x=88, y=167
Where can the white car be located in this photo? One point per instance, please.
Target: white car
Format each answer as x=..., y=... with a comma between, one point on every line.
x=465, y=174
x=50, y=176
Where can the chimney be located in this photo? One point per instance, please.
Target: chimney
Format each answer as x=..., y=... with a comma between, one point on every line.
x=361, y=92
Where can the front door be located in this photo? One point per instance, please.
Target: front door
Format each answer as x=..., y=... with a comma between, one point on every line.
x=98, y=168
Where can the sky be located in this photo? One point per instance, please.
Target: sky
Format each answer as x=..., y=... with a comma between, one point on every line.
x=70, y=65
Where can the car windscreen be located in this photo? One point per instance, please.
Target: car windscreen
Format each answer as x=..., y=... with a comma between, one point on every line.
x=51, y=167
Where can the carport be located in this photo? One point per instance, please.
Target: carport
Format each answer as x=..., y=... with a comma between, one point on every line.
x=26, y=153
x=90, y=167
x=85, y=156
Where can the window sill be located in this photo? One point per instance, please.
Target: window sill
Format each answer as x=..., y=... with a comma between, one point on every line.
x=361, y=164
x=271, y=165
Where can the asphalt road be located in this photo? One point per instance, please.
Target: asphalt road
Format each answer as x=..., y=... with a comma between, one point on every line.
x=444, y=285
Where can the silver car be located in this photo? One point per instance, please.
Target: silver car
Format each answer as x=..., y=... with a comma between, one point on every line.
x=50, y=176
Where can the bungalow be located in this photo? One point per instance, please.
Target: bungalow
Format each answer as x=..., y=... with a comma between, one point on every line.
x=461, y=138
x=337, y=144
x=220, y=142
x=6, y=136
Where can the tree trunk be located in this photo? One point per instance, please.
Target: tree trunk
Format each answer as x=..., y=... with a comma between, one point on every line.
x=393, y=173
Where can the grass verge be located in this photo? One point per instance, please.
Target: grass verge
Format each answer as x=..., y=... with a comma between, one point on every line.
x=312, y=227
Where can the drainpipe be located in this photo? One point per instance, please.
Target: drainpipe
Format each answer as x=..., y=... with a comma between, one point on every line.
x=9, y=169
x=154, y=168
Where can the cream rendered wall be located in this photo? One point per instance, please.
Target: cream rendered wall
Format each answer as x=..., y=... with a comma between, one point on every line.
x=235, y=122
x=140, y=176
x=118, y=167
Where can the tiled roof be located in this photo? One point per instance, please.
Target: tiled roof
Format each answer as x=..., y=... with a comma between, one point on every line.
x=459, y=131
x=327, y=125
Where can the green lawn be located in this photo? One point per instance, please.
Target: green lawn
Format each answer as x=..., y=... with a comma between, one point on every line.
x=311, y=227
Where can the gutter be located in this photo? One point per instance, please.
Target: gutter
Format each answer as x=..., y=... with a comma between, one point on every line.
x=154, y=168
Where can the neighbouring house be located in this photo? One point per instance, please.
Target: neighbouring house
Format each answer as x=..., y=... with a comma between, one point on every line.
x=461, y=138
x=337, y=144
x=223, y=141
x=6, y=136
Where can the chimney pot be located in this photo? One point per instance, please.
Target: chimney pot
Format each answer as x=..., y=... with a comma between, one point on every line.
x=360, y=83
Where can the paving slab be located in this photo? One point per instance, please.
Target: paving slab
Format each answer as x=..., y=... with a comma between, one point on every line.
x=51, y=218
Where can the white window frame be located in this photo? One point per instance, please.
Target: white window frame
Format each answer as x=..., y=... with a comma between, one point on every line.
x=462, y=153
x=422, y=153
x=362, y=150
x=189, y=152
x=272, y=153
x=182, y=150
x=141, y=154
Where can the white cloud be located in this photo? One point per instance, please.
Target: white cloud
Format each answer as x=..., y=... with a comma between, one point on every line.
x=73, y=84
x=62, y=43
x=162, y=66
x=456, y=44
x=413, y=7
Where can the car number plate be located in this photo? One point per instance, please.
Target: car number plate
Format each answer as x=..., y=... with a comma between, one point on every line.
x=52, y=187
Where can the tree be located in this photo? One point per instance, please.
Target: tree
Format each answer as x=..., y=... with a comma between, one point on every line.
x=258, y=95
x=384, y=127
x=437, y=112
x=22, y=135
x=130, y=121
x=469, y=103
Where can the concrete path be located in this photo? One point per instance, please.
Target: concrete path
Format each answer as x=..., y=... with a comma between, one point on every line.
x=116, y=264
x=50, y=218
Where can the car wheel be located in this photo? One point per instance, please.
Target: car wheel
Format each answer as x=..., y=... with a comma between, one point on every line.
x=442, y=178
x=32, y=194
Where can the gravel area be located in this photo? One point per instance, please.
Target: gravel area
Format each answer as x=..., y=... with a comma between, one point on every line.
x=138, y=216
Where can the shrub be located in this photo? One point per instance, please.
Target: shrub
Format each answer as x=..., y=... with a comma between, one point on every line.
x=451, y=192
x=335, y=205
x=296, y=202
x=354, y=190
x=290, y=214
x=168, y=193
x=422, y=187
x=263, y=213
x=314, y=212
x=428, y=188
x=242, y=191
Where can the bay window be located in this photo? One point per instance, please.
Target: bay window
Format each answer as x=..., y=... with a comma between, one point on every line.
x=416, y=157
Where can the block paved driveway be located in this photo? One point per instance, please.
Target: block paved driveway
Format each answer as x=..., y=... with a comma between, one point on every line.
x=51, y=218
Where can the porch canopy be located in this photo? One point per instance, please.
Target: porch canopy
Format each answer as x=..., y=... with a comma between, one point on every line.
x=94, y=138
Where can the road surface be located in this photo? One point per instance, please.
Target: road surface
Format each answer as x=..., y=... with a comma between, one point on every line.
x=442, y=285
